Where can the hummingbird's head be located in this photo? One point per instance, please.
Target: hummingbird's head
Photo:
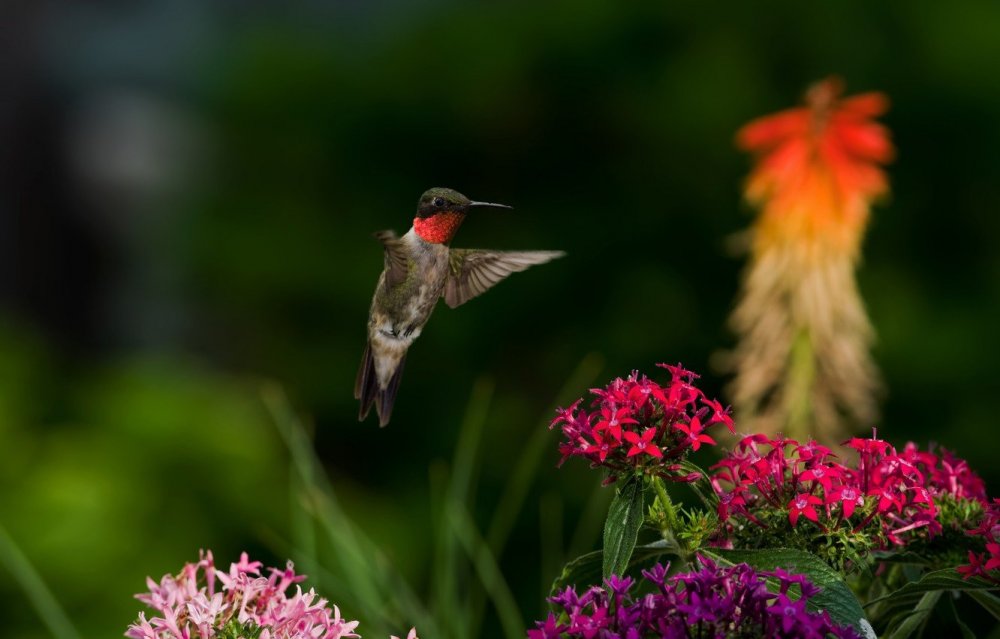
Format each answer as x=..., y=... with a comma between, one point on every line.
x=440, y=212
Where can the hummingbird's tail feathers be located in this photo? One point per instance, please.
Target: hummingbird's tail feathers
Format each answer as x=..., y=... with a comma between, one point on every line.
x=367, y=391
x=366, y=383
x=385, y=399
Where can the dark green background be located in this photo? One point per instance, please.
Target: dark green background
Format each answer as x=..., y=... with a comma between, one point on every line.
x=140, y=307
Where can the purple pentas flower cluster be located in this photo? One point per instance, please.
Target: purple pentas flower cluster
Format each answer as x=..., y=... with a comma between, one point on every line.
x=635, y=424
x=712, y=602
x=203, y=602
x=886, y=495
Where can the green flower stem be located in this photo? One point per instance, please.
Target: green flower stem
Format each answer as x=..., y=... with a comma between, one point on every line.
x=799, y=388
x=669, y=511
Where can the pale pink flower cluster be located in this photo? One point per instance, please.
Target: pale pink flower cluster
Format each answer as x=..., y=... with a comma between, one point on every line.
x=205, y=603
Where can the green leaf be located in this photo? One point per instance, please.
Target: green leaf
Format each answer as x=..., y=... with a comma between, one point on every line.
x=945, y=579
x=918, y=617
x=987, y=600
x=835, y=597
x=901, y=557
x=707, y=496
x=587, y=570
x=621, y=528
x=963, y=628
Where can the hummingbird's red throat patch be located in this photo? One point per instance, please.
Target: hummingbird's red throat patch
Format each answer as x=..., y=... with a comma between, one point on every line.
x=438, y=229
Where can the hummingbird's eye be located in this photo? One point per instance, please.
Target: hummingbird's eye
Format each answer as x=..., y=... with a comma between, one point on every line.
x=439, y=202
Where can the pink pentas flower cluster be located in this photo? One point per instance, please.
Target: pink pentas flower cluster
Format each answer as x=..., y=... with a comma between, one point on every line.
x=945, y=473
x=985, y=564
x=637, y=424
x=887, y=490
x=203, y=602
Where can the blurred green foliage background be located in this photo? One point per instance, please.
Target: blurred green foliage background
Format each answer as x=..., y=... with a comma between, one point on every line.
x=187, y=195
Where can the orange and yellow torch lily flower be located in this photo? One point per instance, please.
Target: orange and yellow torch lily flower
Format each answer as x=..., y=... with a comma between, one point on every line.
x=802, y=363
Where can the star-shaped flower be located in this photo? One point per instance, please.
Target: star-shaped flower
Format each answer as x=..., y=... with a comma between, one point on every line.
x=803, y=504
x=643, y=444
x=693, y=431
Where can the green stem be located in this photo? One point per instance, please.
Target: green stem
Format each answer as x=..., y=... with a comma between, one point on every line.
x=669, y=511
x=798, y=388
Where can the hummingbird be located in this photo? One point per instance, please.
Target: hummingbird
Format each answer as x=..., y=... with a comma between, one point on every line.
x=421, y=268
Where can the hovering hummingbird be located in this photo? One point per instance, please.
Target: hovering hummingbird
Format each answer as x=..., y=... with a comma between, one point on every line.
x=419, y=269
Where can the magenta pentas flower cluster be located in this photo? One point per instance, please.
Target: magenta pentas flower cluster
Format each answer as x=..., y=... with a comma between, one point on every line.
x=778, y=486
x=985, y=564
x=945, y=473
x=635, y=424
x=202, y=602
x=713, y=602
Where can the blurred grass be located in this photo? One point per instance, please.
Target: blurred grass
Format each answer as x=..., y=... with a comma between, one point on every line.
x=50, y=613
x=159, y=460
x=366, y=582
x=361, y=579
x=358, y=574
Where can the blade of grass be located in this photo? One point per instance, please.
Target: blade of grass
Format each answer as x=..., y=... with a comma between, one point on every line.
x=516, y=490
x=381, y=592
x=517, y=487
x=302, y=529
x=319, y=494
x=462, y=478
x=337, y=585
x=41, y=598
x=551, y=531
x=488, y=572
x=442, y=597
x=588, y=529
x=450, y=604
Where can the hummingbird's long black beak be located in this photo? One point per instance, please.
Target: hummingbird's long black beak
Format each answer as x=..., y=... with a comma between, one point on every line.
x=492, y=204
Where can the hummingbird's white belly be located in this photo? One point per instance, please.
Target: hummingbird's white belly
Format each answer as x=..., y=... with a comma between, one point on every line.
x=392, y=333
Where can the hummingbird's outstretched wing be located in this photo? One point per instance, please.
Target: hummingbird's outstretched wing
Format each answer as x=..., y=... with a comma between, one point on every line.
x=474, y=271
x=396, y=264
